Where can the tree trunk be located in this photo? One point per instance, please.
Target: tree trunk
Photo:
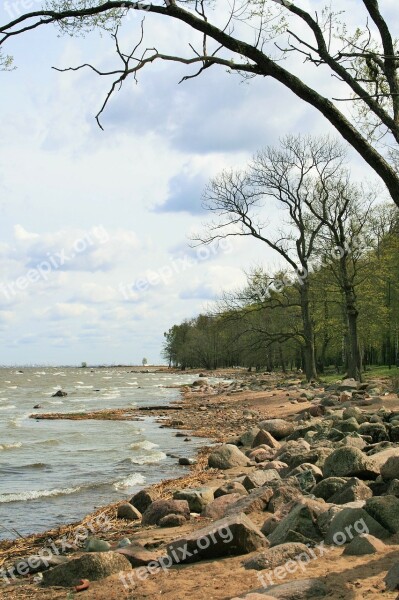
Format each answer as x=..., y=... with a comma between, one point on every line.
x=308, y=331
x=354, y=367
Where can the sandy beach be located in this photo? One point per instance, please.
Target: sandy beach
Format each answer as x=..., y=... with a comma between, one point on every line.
x=221, y=413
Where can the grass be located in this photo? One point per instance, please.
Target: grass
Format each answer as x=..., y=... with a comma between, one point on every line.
x=373, y=372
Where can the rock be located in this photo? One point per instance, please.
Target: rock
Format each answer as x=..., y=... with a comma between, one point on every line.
x=353, y=440
x=248, y=437
x=350, y=462
x=278, y=555
x=354, y=412
x=302, y=519
x=306, y=480
x=391, y=579
x=199, y=383
x=353, y=490
x=377, y=431
x=278, y=428
x=364, y=544
x=218, y=508
x=34, y=564
x=232, y=487
x=317, y=472
x=300, y=589
x=128, y=512
x=380, y=458
x=345, y=396
x=264, y=437
x=142, y=500
x=38, y=406
x=184, y=461
x=257, y=500
x=261, y=455
x=316, y=456
x=390, y=469
x=95, y=545
x=94, y=566
x=276, y=465
x=284, y=494
x=393, y=488
x=59, y=394
x=259, y=478
x=172, y=521
x=328, y=487
x=349, y=523
x=233, y=535
x=160, y=508
x=291, y=449
x=348, y=426
x=348, y=384
x=227, y=456
x=385, y=510
x=197, y=498
x=138, y=555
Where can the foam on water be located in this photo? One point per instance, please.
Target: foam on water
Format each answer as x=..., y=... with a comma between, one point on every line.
x=129, y=482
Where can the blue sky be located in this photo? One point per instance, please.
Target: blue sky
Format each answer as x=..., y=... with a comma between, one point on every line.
x=95, y=225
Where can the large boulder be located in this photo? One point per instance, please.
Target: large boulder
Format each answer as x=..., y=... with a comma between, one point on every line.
x=328, y=487
x=142, y=500
x=380, y=458
x=257, y=500
x=93, y=566
x=301, y=520
x=227, y=456
x=197, y=498
x=128, y=512
x=138, y=555
x=278, y=428
x=231, y=487
x=350, y=462
x=385, y=510
x=351, y=522
x=353, y=490
x=299, y=589
x=233, y=535
x=377, y=432
x=364, y=544
x=160, y=508
x=218, y=508
x=390, y=469
x=260, y=478
x=264, y=437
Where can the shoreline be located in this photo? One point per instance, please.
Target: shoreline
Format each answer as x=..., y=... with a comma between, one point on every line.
x=217, y=412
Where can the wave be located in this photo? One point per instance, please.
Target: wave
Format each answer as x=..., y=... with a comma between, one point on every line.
x=49, y=442
x=128, y=482
x=10, y=446
x=34, y=495
x=148, y=459
x=8, y=407
x=144, y=445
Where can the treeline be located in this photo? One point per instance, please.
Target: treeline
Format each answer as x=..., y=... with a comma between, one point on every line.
x=335, y=301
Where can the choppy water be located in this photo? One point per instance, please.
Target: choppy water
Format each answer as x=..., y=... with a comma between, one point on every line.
x=54, y=472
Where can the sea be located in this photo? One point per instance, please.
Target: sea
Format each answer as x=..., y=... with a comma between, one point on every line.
x=54, y=472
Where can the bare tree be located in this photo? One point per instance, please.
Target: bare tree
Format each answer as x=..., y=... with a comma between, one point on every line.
x=256, y=34
x=289, y=176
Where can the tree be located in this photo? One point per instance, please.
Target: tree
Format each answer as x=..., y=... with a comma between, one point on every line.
x=144, y=362
x=290, y=176
x=253, y=39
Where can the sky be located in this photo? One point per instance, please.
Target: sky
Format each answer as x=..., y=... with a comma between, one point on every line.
x=96, y=261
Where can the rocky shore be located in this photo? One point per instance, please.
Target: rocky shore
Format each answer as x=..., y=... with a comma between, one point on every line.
x=299, y=498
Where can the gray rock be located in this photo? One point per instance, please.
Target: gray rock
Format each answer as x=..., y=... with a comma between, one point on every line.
x=377, y=431
x=300, y=589
x=35, y=564
x=349, y=523
x=391, y=579
x=233, y=535
x=259, y=478
x=328, y=487
x=232, y=487
x=184, y=461
x=248, y=437
x=264, y=437
x=350, y=462
x=385, y=510
x=227, y=456
x=197, y=498
x=160, y=508
x=390, y=469
x=278, y=555
x=218, y=508
x=138, y=555
x=93, y=566
x=349, y=384
x=364, y=544
x=302, y=520
x=257, y=500
x=95, y=545
x=353, y=490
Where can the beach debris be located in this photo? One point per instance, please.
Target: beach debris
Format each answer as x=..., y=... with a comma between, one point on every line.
x=83, y=585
